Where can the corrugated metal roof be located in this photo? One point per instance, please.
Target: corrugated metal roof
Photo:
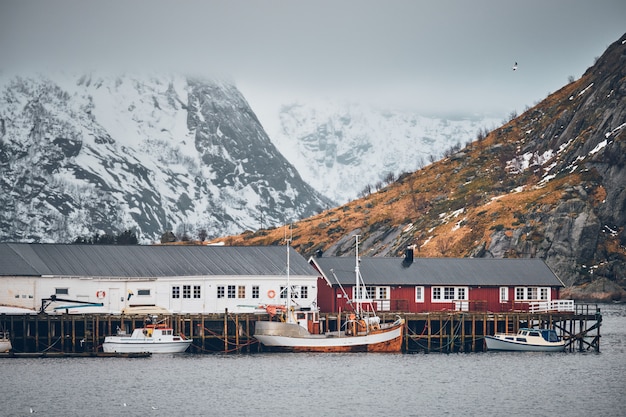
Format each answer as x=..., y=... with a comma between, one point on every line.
x=22, y=259
x=440, y=271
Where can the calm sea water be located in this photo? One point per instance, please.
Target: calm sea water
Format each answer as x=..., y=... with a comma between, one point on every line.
x=283, y=384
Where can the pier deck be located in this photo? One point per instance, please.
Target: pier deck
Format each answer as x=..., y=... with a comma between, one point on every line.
x=440, y=331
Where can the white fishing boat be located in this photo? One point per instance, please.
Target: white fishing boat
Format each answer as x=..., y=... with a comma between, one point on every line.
x=299, y=330
x=153, y=338
x=526, y=340
x=5, y=342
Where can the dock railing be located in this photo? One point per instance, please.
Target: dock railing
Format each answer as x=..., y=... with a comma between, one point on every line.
x=553, y=305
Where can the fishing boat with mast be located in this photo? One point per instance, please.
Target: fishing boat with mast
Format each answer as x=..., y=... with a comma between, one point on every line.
x=298, y=329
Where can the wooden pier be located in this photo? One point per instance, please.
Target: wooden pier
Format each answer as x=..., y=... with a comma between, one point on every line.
x=441, y=331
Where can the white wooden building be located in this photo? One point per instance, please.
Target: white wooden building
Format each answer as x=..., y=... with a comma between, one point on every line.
x=180, y=279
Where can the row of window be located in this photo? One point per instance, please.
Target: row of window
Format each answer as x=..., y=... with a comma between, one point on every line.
x=442, y=294
x=447, y=294
x=438, y=294
x=238, y=291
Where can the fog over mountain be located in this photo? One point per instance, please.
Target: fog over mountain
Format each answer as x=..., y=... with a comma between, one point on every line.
x=341, y=148
x=103, y=153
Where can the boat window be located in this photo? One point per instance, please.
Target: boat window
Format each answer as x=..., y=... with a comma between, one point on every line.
x=521, y=339
x=534, y=334
x=300, y=316
x=550, y=335
x=143, y=292
x=61, y=291
x=509, y=338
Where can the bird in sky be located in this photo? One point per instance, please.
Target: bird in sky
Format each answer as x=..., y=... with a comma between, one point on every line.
x=515, y=66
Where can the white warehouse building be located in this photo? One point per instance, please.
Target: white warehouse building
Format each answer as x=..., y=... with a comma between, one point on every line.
x=178, y=278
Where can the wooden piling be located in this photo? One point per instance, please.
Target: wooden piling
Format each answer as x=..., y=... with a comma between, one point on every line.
x=442, y=331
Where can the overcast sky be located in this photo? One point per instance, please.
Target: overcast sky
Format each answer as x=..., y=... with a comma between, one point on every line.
x=432, y=56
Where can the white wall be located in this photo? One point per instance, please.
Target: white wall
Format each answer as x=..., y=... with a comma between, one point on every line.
x=27, y=292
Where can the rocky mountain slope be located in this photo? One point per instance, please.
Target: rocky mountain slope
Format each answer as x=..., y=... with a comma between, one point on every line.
x=548, y=184
x=341, y=148
x=96, y=153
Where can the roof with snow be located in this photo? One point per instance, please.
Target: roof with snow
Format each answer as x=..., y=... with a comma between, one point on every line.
x=439, y=271
x=22, y=259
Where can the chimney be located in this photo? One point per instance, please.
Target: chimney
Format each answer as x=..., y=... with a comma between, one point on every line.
x=319, y=253
x=408, y=256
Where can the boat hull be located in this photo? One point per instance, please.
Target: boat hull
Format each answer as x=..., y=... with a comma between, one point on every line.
x=116, y=344
x=285, y=337
x=495, y=343
x=5, y=346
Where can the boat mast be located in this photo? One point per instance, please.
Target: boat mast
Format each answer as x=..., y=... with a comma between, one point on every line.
x=357, y=287
x=288, y=244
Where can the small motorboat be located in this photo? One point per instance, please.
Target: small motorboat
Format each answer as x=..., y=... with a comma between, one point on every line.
x=153, y=338
x=5, y=342
x=526, y=340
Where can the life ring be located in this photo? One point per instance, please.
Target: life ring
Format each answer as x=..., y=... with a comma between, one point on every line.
x=101, y=294
x=271, y=293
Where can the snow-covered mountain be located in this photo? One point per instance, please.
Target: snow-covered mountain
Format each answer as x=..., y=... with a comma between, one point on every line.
x=97, y=153
x=342, y=148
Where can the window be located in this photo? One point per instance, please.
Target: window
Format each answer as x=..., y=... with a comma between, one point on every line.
x=241, y=291
x=176, y=292
x=532, y=293
x=460, y=294
x=304, y=291
x=436, y=293
x=61, y=291
x=504, y=294
x=255, y=291
x=283, y=292
x=231, y=291
x=196, y=291
x=220, y=291
x=448, y=294
x=143, y=292
x=370, y=293
x=382, y=293
x=294, y=292
x=419, y=294
x=186, y=291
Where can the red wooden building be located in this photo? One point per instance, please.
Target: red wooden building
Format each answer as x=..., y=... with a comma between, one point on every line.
x=432, y=284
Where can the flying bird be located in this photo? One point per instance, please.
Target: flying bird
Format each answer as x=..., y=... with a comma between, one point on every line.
x=515, y=66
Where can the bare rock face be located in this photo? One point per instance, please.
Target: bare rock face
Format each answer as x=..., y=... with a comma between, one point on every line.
x=102, y=153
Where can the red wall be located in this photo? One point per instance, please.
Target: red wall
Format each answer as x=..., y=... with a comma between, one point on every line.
x=332, y=300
